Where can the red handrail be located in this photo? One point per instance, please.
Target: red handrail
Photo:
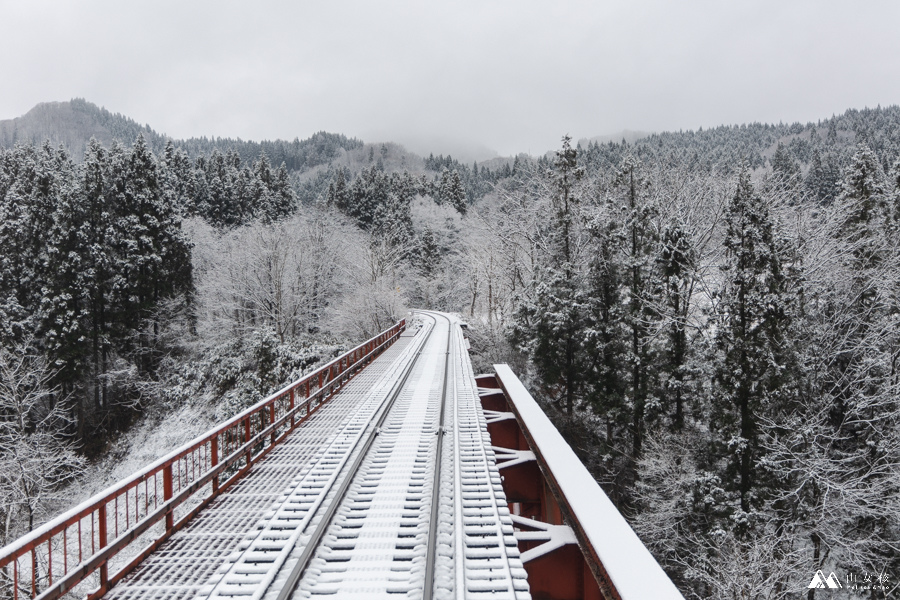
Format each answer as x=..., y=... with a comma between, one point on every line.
x=82, y=542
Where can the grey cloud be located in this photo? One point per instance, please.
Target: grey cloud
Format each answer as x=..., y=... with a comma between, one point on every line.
x=509, y=75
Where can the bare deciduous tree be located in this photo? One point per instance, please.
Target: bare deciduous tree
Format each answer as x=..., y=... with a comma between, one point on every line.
x=35, y=456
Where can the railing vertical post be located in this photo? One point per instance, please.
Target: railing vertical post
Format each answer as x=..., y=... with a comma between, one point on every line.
x=104, y=568
x=291, y=408
x=214, y=460
x=167, y=495
x=247, y=438
x=272, y=420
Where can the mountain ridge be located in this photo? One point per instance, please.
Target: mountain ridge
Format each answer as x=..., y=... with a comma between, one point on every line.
x=73, y=123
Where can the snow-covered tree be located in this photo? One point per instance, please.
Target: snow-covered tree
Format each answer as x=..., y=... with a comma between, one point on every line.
x=35, y=456
x=452, y=192
x=757, y=364
x=637, y=238
x=152, y=253
x=823, y=177
x=784, y=169
x=550, y=317
x=676, y=263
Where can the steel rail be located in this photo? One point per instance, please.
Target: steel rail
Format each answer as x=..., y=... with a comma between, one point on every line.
x=248, y=435
x=298, y=569
x=431, y=549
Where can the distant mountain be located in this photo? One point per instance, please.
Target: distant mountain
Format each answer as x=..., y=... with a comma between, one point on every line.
x=75, y=122
x=826, y=144
x=626, y=134
x=725, y=147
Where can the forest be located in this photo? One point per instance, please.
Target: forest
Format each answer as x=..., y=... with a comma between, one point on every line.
x=711, y=318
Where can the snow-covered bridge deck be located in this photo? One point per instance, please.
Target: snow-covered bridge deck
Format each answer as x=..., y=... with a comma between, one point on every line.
x=390, y=471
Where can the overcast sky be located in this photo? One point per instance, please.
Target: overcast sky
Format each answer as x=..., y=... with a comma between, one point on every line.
x=510, y=76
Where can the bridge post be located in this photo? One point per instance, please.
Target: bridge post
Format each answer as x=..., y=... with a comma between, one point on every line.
x=247, y=436
x=272, y=421
x=214, y=460
x=167, y=495
x=291, y=408
x=104, y=568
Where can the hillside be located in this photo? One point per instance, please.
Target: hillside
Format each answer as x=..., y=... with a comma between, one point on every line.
x=73, y=124
x=708, y=316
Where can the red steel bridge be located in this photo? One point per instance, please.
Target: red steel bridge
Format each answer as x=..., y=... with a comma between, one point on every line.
x=392, y=471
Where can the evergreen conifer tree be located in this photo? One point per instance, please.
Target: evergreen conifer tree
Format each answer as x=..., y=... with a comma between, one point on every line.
x=429, y=254
x=549, y=322
x=785, y=170
x=757, y=362
x=605, y=332
x=676, y=262
x=638, y=239
x=152, y=252
x=452, y=192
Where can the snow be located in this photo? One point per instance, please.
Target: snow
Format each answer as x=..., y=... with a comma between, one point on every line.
x=552, y=536
x=634, y=572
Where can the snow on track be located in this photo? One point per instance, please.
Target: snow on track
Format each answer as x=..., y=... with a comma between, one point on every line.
x=300, y=514
x=193, y=559
x=376, y=544
x=487, y=561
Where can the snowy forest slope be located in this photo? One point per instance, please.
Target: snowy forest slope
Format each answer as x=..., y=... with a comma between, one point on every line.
x=710, y=317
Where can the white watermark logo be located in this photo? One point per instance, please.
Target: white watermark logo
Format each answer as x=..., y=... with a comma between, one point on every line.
x=852, y=581
x=819, y=581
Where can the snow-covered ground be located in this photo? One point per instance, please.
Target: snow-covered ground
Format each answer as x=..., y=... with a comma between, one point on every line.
x=148, y=440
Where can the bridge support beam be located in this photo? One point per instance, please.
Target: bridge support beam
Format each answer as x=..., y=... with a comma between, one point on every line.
x=556, y=566
x=574, y=542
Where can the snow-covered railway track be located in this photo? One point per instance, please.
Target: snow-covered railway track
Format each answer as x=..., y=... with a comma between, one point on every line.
x=406, y=499
x=425, y=515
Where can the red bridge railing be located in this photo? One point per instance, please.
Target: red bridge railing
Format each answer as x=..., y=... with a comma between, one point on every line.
x=85, y=545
